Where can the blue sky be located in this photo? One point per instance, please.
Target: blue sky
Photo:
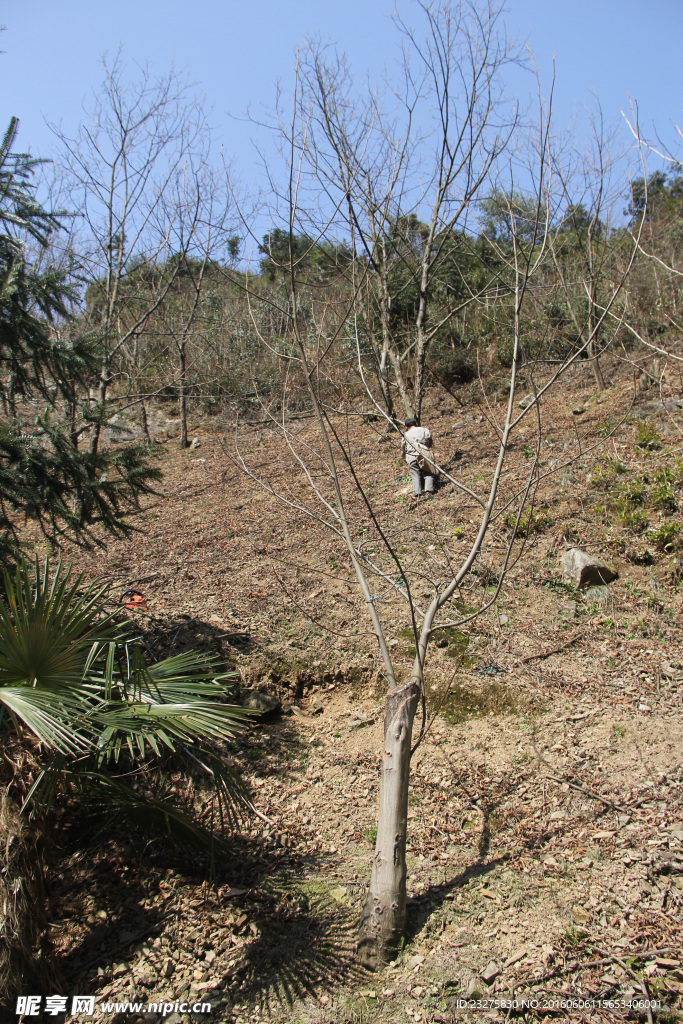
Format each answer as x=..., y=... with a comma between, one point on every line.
x=236, y=52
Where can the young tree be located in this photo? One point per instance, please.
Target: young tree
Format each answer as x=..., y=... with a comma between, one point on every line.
x=203, y=241
x=586, y=254
x=342, y=503
x=121, y=171
x=407, y=180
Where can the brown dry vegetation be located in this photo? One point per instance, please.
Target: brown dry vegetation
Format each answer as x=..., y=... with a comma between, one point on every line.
x=546, y=815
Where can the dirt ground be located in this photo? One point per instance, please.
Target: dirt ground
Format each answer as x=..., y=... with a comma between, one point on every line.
x=545, y=836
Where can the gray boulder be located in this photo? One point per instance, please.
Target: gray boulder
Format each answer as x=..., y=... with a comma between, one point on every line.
x=583, y=570
x=263, y=702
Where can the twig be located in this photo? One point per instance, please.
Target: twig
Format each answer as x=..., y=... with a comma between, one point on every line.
x=553, y=650
x=587, y=792
x=641, y=982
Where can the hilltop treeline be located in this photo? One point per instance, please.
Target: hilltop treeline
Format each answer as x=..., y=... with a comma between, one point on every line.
x=416, y=235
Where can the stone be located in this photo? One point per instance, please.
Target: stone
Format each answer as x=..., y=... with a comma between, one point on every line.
x=416, y=960
x=515, y=957
x=525, y=402
x=474, y=989
x=584, y=570
x=568, y=610
x=195, y=443
x=490, y=972
x=263, y=702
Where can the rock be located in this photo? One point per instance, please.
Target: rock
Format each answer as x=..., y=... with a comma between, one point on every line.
x=316, y=706
x=474, y=990
x=525, y=402
x=195, y=443
x=568, y=610
x=490, y=972
x=579, y=410
x=549, y=862
x=584, y=570
x=515, y=957
x=263, y=702
x=416, y=960
x=360, y=723
x=168, y=968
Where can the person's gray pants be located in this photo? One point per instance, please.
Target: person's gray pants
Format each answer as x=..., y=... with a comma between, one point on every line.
x=416, y=477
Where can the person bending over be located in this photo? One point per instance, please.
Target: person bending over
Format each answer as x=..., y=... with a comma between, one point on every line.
x=416, y=449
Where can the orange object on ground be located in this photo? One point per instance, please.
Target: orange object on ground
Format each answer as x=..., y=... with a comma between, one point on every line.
x=134, y=601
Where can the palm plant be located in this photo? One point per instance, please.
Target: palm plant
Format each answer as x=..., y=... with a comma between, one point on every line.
x=73, y=677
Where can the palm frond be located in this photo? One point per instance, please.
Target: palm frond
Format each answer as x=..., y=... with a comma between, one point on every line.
x=172, y=723
x=48, y=630
x=233, y=799
x=73, y=678
x=57, y=719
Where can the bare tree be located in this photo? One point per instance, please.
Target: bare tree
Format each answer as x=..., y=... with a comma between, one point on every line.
x=586, y=255
x=121, y=170
x=198, y=211
x=407, y=179
x=340, y=501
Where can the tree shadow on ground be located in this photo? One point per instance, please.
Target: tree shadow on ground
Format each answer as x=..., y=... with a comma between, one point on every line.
x=306, y=947
x=293, y=938
x=174, y=635
x=421, y=908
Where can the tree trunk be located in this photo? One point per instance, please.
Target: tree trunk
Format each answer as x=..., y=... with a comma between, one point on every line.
x=400, y=382
x=183, y=442
x=384, y=383
x=144, y=426
x=102, y=387
x=382, y=923
x=592, y=344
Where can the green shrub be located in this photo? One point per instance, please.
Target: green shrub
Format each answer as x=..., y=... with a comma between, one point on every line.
x=634, y=519
x=530, y=521
x=633, y=493
x=667, y=536
x=663, y=497
x=604, y=475
x=647, y=437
